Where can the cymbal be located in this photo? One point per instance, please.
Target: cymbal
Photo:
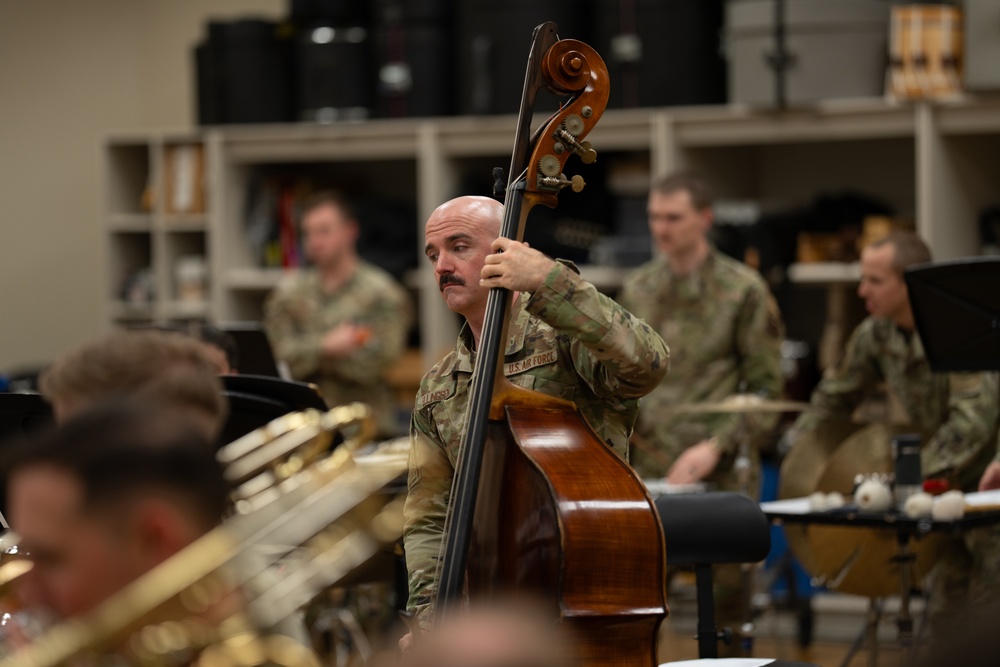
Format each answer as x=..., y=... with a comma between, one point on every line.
x=742, y=403
x=799, y=476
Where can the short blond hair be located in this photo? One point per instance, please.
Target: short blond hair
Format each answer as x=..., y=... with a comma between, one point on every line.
x=169, y=369
x=908, y=249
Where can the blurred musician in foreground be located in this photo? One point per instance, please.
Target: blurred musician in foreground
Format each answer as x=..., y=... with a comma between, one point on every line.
x=726, y=331
x=960, y=409
x=168, y=370
x=509, y=633
x=106, y=497
x=565, y=339
x=343, y=322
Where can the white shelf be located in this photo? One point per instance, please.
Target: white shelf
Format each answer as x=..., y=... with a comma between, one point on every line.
x=738, y=125
x=932, y=161
x=253, y=279
x=825, y=273
x=193, y=222
x=604, y=278
x=130, y=222
x=184, y=310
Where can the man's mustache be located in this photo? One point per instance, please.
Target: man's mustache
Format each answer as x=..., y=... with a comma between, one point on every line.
x=449, y=279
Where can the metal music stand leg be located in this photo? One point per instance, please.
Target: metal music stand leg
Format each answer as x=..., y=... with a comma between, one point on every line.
x=746, y=629
x=869, y=631
x=904, y=622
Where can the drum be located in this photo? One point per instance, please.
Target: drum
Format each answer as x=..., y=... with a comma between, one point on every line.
x=860, y=561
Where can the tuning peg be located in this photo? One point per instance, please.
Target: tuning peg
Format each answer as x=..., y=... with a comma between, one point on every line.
x=584, y=150
x=558, y=182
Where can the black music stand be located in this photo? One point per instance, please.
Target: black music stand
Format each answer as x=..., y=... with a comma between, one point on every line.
x=255, y=400
x=956, y=308
x=20, y=415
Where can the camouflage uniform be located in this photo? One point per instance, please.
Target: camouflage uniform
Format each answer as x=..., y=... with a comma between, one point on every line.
x=725, y=331
x=960, y=409
x=566, y=340
x=299, y=313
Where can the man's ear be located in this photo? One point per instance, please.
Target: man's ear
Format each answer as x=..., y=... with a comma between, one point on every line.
x=159, y=529
x=354, y=229
x=708, y=217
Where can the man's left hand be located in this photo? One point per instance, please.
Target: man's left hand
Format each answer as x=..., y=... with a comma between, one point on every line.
x=695, y=463
x=515, y=266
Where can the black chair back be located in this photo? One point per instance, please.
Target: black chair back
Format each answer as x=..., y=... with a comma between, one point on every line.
x=702, y=529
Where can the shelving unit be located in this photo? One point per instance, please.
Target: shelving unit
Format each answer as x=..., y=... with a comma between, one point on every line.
x=151, y=224
x=932, y=162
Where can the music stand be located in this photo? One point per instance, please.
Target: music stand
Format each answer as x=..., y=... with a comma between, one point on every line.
x=20, y=415
x=956, y=309
x=256, y=356
x=254, y=400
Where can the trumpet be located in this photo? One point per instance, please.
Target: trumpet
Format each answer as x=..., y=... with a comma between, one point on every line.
x=294, y=498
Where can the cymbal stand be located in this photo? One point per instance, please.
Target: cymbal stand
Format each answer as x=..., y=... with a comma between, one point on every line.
x=904, y=621
x=742, y=467
x=906, y=559
x=869, y=632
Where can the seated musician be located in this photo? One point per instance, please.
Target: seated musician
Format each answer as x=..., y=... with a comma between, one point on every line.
x=960, y=409
x=565, y=339
x=106, y=497
x=165, y=369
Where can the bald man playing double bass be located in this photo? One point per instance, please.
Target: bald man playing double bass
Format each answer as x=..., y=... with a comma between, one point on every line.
x=565, y=339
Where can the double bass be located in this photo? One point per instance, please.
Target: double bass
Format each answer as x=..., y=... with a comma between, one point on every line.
x=539, y=503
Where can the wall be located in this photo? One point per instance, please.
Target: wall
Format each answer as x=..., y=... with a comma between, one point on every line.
x=70, y=72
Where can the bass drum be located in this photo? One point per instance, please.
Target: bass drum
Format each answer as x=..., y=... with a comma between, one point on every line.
x=859, y=561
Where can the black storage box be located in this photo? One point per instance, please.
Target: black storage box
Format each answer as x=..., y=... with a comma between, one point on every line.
x=661, y=52
x=242, y=74
x=493, y=42
x=414, y=58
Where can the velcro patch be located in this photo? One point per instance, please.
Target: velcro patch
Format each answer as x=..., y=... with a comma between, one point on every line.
x=540, y=359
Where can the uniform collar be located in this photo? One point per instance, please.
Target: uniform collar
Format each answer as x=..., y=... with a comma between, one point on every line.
x=693, y=285
x=463, y=359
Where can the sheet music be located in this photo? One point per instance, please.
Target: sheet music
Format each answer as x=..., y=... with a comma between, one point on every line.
x=983, y=498
x=789, y=506
x=721, y=662
x=980, y=499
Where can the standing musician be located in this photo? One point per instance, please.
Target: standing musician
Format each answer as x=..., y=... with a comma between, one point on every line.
x=565, y=339
x=720, y=315
x=343, y=322
x=726, y=329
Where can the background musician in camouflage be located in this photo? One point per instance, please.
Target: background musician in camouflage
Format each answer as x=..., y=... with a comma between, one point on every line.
x=725, y=331
x=565, y=339
x=960, y=409
x=343, y=322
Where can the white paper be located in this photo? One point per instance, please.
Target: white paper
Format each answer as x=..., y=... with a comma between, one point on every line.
x=789, y=506
x=983, y=498
x=721, y=662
